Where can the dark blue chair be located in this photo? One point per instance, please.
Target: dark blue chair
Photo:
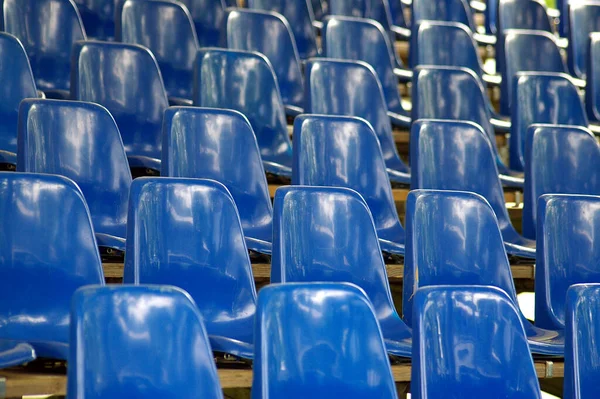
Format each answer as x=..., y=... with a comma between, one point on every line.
x=491, y=17
x=167, y=30
x=187, y=233
x=328, y=234
x=351, y=88
x=585, y=17
x=341, y=151
x=299, y=15
x=378, y=10
x=460, y=353
x=17, y=84
x=125, y=78
x=98, y=17
x=244, y=81
x=139, y=342
x=455, y=155
x=48, y=250
x=80, y=141
x=316, y=340
x=14, y=353
x=319, y=9
x=592, y=90
x=270, y=34
x=567, y=254
x=220, y=145
x=48, y=29
x=523, y=14
x=453, y=238
x=209, y=19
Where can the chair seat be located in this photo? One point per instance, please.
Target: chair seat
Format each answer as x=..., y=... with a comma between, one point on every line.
x=485, y=40
x=399, y=120
x=140, y=161
x=14, y=353
x=110, y=241
x=398, y=177
x=255, y=244
x=277, y=169
x=512, y=181
x=391, y=247
x=521, y=251
x=8, y=157
x=231, y=346
x=545, y=342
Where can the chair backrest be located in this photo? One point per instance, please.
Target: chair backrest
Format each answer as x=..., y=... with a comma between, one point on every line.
x=319, y=9
x=220, y=145
x=98, y=17
x=47, y=251
x=270, y=34
x=209, y=20
x=592, y=89
x=444, y=10
x=358, y=92
x=319, y=339
x=167, y=30
x=397, y=13
x=523, y=14
x=585, y=17
x=47, y=29
x=450, y=327
x=378, y=10
x=131, y=342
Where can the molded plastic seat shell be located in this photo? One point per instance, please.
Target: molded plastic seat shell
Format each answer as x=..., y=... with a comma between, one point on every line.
x=98, y=17
x=592, y=89
x=378, y=10
x=585, y=16
x=13, y=353
x=209, y=19
x=524, y=14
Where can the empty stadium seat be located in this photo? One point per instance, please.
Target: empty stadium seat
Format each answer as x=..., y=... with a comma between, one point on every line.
x=244, y=81
x=80, y=141
x=124, y=78
x=327, y=234
x=592, y=92
x=316, y=340
x=343, y=151
x=358, y=92
x=378, y=10
x=270, y=34
x=319, y=9
x=523, y=14
x=47, y=29
x=455, y=155
x=48, y=250
x=139, y=342
x=98, y=17
x=470, y=343
x=209, y=19
x=585, y=18
x=14, y=353
x=220, y=145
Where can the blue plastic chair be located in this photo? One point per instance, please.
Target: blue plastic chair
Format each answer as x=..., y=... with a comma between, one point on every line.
x=356, y=89
x=341, y=151
x=244, y=81
x=98, y=17
x=592, y=90
x=167, y=30
x=209, y=19
x=187, y=233
x=124, y=78
x=328, y=234
x=299, y=15
x=586, y=18
x=270, y=34
x=542, y=98
x=319, y=9
x=378, y=10
x=47, y=29
x=559, y=160
x=455, y=155
x=567, y=255
x=319, y=340
x=14, y=353
x=80, y=141
x=523, y=14
x=459, y=353
x=220, y=145
x=453, y=238
x=48, y=250
x=139, y=342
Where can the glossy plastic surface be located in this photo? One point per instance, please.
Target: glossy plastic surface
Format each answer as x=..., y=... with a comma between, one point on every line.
x=80, y=141
x=300, y=16
x=47, y=29
x=167, y=30
x=586, y=18
x=341, y=151
x=316, y=340
x=98, y=17
x=378, y=10
x=327, y=234
x=592, y=90
x=124, y=78
x=358, y=92
x=14, y=353
x=270, y=34
x=17, y=84
x=443, y=10
x=51, y=254
x=209, y=20
x=219, y=144
x=139, y=342
x=523, y=14
x=470, y=344
x=452, y=238
x=454, y=155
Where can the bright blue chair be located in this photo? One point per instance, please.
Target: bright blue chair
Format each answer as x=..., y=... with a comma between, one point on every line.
x=319, y=340
x=453, y=238
x=80, y=141
x=341, y=151
x=470, y=344
x=124, y=78
x=47, y=29
x=567, y=254
x=219, y=144
x=98, y=17
x=209, y=19
x=586, y=18
x=523, y=14
x=167, y=30
x=270, y=34
x=139, y=342
x=187, y=233
x=14, y=353
x=455, y=155
x=244, y=81
x=299, y=15
x=358, y=92
x=592, y=90
x=378, y=10
x=328, y=234
x=47, y=251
